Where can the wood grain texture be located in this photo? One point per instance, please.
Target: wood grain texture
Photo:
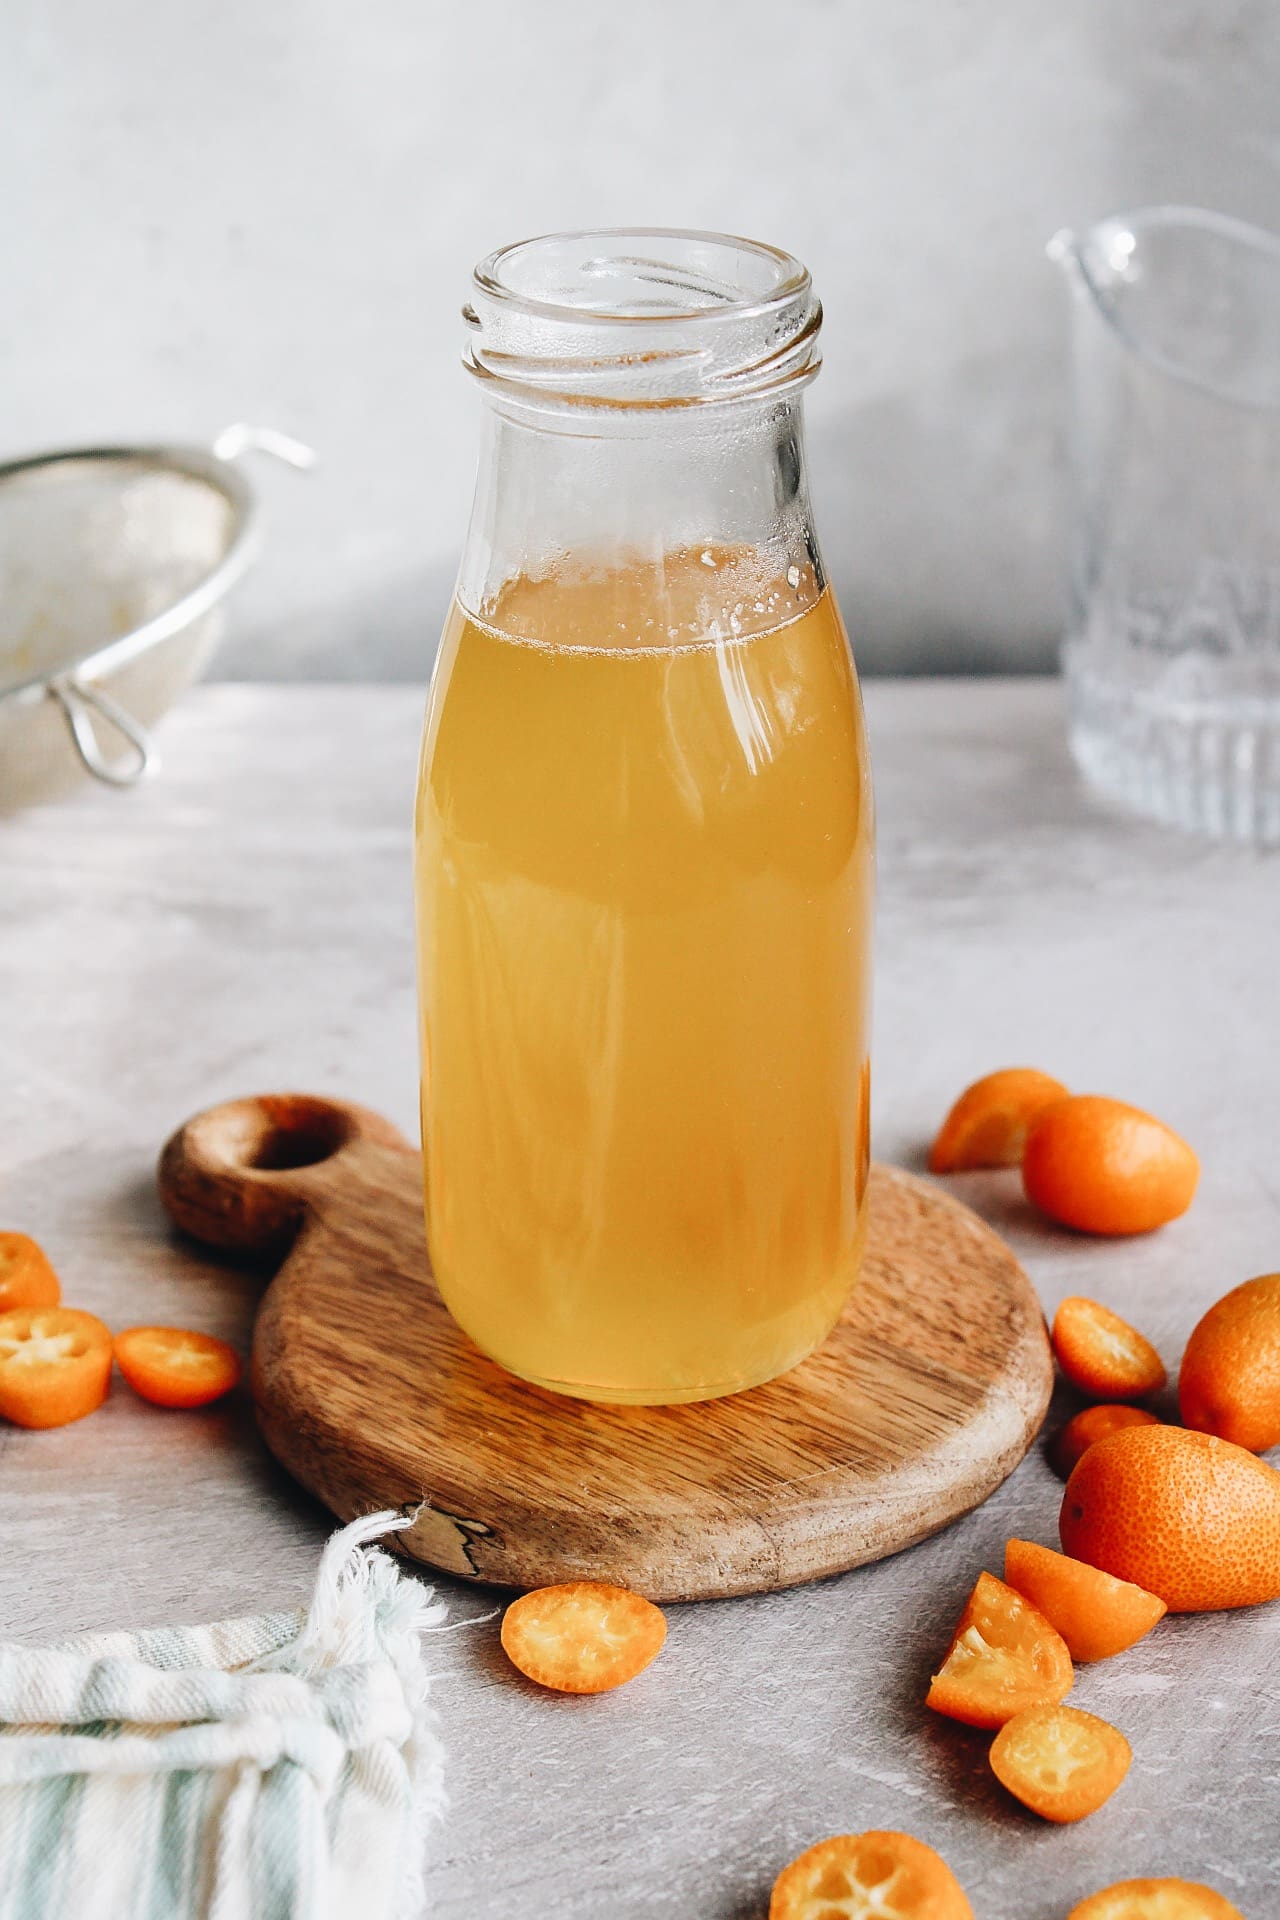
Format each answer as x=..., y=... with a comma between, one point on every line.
x=923, y=1399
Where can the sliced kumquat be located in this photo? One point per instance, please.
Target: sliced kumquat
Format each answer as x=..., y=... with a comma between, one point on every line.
x=1102, y=1167
x=1156, y=1900
x=1102, y=1354
x=175, y=1367
x=55, y=1365
x=1191, y=1518
x=1090, y=1424
x=1229, y=1382
x=1061, y=1763
x=583, y=1637
x=1003, y=1658
x=869, y=1876
x=26, y=1277
x=987, y=1126
x=1096, y=1614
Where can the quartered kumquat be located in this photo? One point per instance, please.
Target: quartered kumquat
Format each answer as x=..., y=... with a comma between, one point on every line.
x=1096, y=1614
x=1003, y=1657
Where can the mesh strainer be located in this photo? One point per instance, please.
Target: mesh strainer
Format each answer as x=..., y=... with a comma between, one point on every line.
x=114, y=562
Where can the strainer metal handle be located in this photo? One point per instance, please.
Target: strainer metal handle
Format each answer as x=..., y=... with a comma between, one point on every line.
x=83, y=706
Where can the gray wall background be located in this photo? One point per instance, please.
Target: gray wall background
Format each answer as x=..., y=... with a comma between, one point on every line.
x=267, y=209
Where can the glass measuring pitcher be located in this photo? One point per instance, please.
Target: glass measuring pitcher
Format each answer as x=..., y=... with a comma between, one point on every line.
x=644, y=837
x=1172, y=652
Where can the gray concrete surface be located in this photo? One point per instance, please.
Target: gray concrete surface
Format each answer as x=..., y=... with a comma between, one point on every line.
x=216, y=212
x=243, y=923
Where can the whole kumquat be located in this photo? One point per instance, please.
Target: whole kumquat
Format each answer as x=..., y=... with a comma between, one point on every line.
x=1156, y=1900
x=869, y=1876
x=1229, y=1382
x=1103, y=1167
x=582, y=1637
x=1004, y=1656
x=1096, y=1614
x=1102, y=1354
x=1061, y=1763
x=987, y=1126
x=1190, y=1518
x=26, y=1277
x=1091, y=1424
x=55, y=1365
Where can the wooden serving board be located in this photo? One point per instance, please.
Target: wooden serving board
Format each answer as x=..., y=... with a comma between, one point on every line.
x=922, y=1400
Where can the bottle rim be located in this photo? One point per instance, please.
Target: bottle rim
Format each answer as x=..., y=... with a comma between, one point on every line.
x=641, y=317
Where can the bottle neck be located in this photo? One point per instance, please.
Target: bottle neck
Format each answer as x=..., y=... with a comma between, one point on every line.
x=717, y=497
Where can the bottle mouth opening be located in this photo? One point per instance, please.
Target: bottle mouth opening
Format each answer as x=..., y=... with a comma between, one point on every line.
x=641, y=317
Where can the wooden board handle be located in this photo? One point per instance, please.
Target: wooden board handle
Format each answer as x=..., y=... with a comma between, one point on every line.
x=241, y=1175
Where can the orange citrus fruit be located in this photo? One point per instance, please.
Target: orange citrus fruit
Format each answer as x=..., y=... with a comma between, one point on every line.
x=987, y=1126
x=1102, y=1354
x=1155, y=1900
x=1229, y=1383
x=1003, y=1656
x=1090, y=1424
x=173, y=1367
x=55, y=1365
x=26, y=1278
x=1191, y=1518
x=1103, y=1167
x=869, y=1876
x=1061, y=1763
x=1096, y=1614
x=583, y=1637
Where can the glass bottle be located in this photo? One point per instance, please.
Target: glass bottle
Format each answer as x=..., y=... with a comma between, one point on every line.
x=644, y=850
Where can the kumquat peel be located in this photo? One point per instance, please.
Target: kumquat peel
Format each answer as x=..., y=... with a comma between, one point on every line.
x=1102, y=1354
x=1097, y=1615
x=987, y=1126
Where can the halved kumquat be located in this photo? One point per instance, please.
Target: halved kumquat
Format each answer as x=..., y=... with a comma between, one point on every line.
x=1156, y=1900
x=174, y=1367
x=55, y=1365
x=1103, y=1167
x=1091, y=1424
x=583, y=1637
x=26, y=1277
x=1096, y=1614
x=1229, y=1382
x=1004, y=1657
x=1191, y=1518
x=1061, y=1763
x=869, y=1876
x=1102, y=1354
x=987, y=1126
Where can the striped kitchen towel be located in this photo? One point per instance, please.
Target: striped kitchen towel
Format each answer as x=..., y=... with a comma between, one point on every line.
x=282, y=1767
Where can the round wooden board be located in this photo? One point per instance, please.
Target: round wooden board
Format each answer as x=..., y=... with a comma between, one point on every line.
x=923, y=1399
